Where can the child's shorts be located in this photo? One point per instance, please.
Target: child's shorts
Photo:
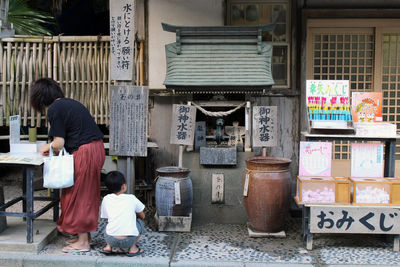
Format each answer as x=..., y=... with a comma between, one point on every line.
x=126, y=242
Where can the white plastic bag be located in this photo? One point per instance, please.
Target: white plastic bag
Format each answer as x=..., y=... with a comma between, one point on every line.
x=58, y=171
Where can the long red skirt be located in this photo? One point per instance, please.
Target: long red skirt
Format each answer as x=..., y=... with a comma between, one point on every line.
x=80, y=203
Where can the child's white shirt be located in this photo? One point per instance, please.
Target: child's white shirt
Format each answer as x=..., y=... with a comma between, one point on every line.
x=120, y=210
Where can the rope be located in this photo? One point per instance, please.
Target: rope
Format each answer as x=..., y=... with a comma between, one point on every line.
x=218, y=113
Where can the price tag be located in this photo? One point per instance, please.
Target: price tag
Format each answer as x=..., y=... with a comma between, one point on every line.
x=177, y=193
x=246, y=185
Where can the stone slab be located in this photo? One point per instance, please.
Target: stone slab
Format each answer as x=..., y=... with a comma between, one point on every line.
x=254, y=233
x=218, y=156
x=14, y=237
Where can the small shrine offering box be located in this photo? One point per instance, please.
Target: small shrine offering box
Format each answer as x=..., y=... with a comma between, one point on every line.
x=343, y=190
x=316, y=189
x=370, y=190
x=394, y=190
x=323, y=190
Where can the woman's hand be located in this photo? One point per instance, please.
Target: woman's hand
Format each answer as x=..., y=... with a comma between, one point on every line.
x=57, y=144
x=44, y=149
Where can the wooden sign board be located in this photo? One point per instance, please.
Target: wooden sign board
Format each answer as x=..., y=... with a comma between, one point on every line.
x=265, y=126
x=315, y=159
x=183, y=124
x=128, y=120
x=200, y=135
x=367, y=160
x=328, y=100
x=122, y=39
x=217, y=190
x=15, y=126
x=349, y=219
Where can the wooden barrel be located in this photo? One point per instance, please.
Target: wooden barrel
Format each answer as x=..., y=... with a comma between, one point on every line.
x=268, y=192
x=169, y=179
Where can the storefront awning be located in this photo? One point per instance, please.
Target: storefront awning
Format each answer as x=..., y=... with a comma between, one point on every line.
x=218, y=59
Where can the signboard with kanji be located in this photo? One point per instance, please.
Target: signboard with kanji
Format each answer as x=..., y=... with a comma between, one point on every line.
x=328, y=100
x=352, y=219
x=183, y=124
x=264, y=126
x=122, y=38
x=128, y=120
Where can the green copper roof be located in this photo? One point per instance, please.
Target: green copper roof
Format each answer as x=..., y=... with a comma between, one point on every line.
x=218, y=58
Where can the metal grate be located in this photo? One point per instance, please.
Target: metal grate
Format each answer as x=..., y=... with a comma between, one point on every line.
x=344, y=56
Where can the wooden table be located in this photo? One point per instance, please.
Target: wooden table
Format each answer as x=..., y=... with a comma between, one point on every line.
x=390, y=146
x=350, y=219
x=28, y=162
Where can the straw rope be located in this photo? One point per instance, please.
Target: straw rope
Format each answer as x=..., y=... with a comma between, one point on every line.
x=218, y=113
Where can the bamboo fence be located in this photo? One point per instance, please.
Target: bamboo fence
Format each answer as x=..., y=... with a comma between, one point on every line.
x=81, y=65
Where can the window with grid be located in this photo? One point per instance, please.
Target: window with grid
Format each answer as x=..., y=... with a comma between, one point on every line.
x=262, y=12
x=368, y=56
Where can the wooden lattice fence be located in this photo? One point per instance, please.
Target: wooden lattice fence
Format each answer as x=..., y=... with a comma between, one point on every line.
x=79, y=64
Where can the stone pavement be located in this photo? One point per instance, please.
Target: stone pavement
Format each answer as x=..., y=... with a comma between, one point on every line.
x=222, y=245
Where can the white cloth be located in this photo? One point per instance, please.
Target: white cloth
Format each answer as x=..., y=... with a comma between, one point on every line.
x=120, y=210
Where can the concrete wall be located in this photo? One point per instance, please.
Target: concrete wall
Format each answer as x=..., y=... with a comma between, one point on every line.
x=175, y=12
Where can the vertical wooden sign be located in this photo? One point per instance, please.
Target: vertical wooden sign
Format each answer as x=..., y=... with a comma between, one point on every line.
x=200, y=135
x=15, y=126
x=128, y=120
x=264, y=126
x=122, y=38
x=183, y=124
x=217, y=190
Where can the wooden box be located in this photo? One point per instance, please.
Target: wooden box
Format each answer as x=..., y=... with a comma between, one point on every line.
x=370, y=190
x=316, y=189
x=394, y=190
x=343, y=190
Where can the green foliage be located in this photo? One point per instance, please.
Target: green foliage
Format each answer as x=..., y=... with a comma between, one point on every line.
x=28, y=21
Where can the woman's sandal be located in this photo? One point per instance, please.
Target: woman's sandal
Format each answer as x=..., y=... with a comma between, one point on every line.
x=140, y=251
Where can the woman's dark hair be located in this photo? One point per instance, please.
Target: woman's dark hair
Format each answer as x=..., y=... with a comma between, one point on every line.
x=43, y=93
x=114, y=181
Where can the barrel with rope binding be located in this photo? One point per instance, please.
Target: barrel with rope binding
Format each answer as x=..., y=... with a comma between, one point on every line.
x=174, y=193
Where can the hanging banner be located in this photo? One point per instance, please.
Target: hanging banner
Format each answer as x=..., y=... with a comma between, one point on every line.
x=183, y=124
x=122, y=39
x=328, y=100
x=128, y=120
x=264, y=126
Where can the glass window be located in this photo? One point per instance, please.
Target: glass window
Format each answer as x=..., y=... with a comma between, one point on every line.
x=262, y=12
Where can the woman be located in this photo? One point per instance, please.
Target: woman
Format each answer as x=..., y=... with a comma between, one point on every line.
x=72, y=127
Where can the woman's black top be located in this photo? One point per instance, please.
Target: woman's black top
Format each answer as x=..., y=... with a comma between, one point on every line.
x=72, y=121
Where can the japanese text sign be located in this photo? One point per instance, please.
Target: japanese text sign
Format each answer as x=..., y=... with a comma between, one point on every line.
x=15, y=126
x=315, y=158
x=264, y=126
x=367, y=160
x=183, y=124
x=128, y=120
x=122, y=37
x=328, y=100
x=354, y=220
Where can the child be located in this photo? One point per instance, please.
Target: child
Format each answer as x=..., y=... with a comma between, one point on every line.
x=124, y=228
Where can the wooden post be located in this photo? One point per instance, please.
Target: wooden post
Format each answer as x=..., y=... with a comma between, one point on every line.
x=264, y=151
x=181, y=149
